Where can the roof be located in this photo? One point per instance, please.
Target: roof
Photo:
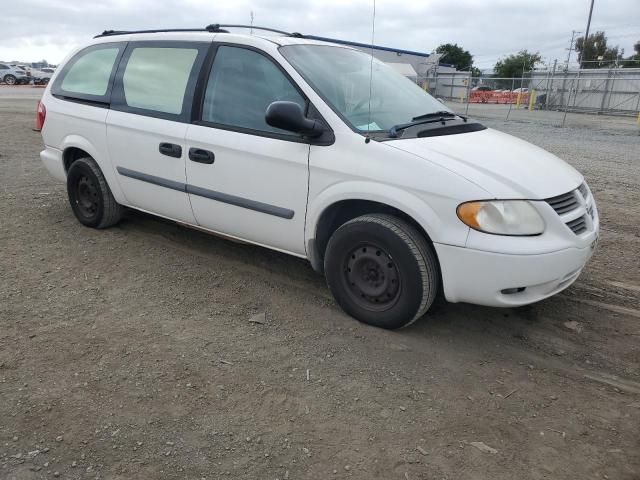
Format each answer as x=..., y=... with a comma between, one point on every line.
x=364, y=45
x=296, y=37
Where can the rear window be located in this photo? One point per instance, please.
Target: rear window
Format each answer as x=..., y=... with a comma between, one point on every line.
x=156, y=78
x=88, y=75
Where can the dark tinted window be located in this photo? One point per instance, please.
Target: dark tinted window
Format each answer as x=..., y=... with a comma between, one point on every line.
x=3, y=67
x=242, y=83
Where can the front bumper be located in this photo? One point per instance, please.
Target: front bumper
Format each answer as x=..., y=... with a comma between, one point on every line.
x=479, y=277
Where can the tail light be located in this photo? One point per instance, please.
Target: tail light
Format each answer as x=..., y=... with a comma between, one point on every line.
x=41, y=114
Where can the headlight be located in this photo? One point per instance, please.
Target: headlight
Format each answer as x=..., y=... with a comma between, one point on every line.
x=502, y=217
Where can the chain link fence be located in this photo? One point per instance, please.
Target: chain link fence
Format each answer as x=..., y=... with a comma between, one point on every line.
x=609, y=98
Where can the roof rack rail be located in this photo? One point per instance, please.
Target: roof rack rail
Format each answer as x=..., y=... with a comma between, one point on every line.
x=266, y=29
x=213, y=28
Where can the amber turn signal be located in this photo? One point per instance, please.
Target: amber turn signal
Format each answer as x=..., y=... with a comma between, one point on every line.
x=467, y=212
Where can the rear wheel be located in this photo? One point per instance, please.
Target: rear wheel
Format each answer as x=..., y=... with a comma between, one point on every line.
x=381, y=270
x=9, y=79
x=90, y=196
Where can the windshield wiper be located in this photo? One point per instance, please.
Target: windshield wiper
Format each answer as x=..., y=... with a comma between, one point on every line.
x=438, y=114
x=432, y=117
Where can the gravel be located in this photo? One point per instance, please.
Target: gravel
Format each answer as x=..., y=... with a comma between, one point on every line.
x=108, y=327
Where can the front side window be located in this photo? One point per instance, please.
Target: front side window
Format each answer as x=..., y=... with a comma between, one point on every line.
x=341, y=76
x=156, y=78
x=89, y=72
x=242, y=84
x=3, y=67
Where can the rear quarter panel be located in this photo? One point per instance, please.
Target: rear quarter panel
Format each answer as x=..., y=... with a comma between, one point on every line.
x=72, y=124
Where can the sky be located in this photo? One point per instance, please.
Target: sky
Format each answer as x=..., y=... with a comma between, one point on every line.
x=33, y=30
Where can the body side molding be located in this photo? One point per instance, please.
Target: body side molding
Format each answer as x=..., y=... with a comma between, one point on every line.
x=210, y=194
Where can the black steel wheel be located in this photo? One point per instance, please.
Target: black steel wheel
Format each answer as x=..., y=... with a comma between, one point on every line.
x=381, y=270
x=372, y=278
x=89, y=195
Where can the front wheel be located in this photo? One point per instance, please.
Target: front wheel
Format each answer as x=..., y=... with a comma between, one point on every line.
x=381, y=270
x=10, y=80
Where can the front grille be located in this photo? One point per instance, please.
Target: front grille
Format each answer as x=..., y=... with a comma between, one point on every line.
x=564, y=203
x=584, y=191
x=578, y=202
x=578, y=226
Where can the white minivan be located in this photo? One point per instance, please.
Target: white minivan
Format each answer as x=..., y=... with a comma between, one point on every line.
x=283, y=141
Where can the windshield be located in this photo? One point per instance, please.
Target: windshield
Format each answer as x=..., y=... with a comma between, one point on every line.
x=341, y=76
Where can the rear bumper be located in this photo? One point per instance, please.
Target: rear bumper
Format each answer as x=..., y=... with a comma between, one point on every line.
x=52, y=160
x=478, y=277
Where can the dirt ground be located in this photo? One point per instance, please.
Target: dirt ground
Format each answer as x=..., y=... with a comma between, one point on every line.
x=128, y=353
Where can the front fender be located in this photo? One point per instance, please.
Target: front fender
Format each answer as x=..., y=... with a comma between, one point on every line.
x=443, y=228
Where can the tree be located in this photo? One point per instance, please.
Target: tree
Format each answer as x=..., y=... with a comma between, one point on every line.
x=594, y=52
x=456, y=56
x=516, y=65
x=634, y=60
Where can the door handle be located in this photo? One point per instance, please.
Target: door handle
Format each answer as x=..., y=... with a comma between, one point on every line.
x=170, y=149
x=201, y=156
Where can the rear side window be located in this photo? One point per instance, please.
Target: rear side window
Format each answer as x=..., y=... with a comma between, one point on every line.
x=156, y=78
x=88, y=75
x=242, y=83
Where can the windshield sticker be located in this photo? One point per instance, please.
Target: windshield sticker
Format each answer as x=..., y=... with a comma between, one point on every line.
x=371, y=126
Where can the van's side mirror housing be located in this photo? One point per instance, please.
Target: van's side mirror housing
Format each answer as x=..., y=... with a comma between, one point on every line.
x=289, y=116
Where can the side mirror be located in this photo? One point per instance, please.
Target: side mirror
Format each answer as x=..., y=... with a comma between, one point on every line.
x=289, y=116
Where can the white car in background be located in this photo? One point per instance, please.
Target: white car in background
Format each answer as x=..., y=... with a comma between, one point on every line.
x=12, y=75
x=39, y=77
x=280, y=142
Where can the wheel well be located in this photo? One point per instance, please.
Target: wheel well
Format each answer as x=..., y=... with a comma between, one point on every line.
x=72, y=154
x=341, y=212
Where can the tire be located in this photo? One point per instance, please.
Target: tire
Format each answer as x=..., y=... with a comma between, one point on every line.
x=10, y=79
x=381, y=271
x=90, y=196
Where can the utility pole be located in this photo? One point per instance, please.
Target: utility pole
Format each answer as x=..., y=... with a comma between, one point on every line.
x=571, y=44
x=586, y=35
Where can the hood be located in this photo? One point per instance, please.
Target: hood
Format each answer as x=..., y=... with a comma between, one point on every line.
x=503, y=165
